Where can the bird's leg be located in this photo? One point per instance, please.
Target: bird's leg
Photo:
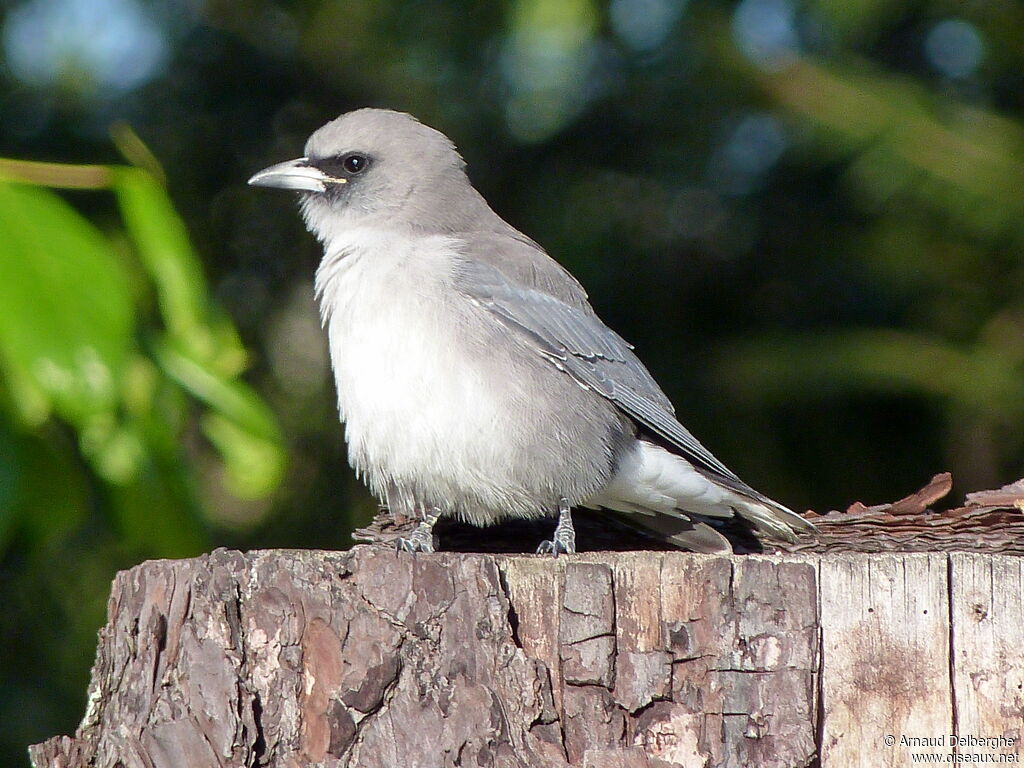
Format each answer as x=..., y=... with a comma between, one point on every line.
x=400, y=503
x=422, y=539
x=564, y=540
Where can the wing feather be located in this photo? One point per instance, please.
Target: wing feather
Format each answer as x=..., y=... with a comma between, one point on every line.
x=576, y=341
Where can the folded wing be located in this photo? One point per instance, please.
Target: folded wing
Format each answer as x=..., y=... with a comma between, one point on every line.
x=578, y=343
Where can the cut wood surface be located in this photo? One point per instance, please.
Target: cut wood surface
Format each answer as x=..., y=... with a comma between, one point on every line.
x=885, y=643
x=378, y=658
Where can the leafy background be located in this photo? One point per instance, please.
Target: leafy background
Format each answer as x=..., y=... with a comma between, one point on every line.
x=808, y=217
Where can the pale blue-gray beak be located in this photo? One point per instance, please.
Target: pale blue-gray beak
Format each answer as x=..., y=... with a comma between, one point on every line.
x=295, y=174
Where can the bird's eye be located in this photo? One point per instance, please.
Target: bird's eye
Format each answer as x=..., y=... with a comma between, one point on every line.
x=354, y=163
x=338, y=167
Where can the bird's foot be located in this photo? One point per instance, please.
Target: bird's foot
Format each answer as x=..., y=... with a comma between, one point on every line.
x=564, y=540
x=422, y=539
x=416, y=542
x=556, y=548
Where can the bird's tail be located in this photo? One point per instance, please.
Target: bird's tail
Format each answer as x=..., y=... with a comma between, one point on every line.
x=663, y=493
x=771, y=518
x=716, y=535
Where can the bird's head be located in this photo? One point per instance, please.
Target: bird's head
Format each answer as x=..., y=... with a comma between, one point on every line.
x=376, y=167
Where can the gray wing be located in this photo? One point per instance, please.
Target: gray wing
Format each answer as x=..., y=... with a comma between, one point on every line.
x=524, y=263
x=576, y=341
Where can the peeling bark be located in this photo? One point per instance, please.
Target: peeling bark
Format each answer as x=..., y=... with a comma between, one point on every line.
x=987, y=521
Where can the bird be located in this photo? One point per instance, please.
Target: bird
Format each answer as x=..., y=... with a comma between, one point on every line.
x=474, y=379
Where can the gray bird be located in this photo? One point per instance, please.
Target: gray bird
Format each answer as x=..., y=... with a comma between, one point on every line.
x=474, y=378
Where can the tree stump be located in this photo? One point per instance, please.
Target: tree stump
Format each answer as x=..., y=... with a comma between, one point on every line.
x=609, y=660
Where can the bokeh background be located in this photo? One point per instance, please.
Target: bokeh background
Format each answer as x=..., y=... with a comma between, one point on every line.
x=808, y=216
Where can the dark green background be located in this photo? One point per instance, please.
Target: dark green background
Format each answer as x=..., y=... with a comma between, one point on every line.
x=807, y=216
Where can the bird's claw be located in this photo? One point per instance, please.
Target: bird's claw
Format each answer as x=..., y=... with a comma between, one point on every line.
x=556, y=547
x=422, y=539
x=415, y=543
x=564, y=540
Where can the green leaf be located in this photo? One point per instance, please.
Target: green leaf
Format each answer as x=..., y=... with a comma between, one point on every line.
x=202, y=352
x=241, y=426
x=67, y=318
x=230, y=397
x=115, y=450
x=162, y=242
x=253, y=466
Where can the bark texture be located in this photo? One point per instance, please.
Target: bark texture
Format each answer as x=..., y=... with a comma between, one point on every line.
x=609, y=660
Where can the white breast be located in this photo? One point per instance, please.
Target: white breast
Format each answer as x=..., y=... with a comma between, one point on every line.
x=417, y=408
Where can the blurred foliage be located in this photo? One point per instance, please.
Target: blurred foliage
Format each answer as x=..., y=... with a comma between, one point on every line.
x=99, y=388
x=807, y=215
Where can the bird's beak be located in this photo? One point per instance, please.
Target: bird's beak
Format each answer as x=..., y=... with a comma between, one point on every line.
x=295, y=174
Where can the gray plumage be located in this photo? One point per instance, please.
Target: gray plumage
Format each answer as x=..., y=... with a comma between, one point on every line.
x=474, y=378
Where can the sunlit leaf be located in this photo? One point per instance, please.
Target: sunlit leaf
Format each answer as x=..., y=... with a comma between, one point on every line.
x=162, y=242
x=240, y=425
x=230, y=397
x=67, y=317
x=116, y=450
x=253, y=466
